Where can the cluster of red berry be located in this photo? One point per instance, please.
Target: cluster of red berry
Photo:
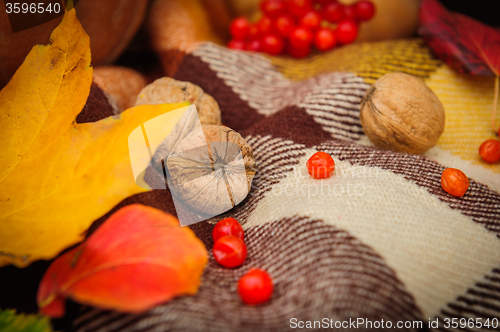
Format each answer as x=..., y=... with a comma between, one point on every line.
x=294, y=26
x=229, y=250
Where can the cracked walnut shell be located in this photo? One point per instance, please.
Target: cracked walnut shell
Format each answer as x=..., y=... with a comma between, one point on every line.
x=211, y=170
x=168, y=90
x=401, y=113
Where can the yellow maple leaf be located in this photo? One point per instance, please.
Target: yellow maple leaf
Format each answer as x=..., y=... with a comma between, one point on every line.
x=57, y=176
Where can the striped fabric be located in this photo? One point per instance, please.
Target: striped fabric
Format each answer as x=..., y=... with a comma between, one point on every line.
x=379, y=239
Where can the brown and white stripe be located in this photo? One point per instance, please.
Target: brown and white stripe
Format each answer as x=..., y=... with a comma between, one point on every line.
x=402, y=249
x=334, y=104
x=274, y=158
x=480, y=303
x=332, y=99
x=480, y=202
x=318, y=271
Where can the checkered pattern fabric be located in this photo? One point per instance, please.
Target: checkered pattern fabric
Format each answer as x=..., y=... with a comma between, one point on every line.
x=379, y=239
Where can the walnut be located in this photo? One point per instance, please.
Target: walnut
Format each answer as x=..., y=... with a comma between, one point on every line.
x=401, y=113
x=120, y=85
x=168, y=90
x=211, y=170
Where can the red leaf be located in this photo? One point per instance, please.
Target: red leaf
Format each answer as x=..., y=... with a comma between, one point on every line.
x=54, y=309
x=463, y=43
x=138, y=258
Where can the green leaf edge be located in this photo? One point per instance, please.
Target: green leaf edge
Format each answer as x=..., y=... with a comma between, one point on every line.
x=12, y=322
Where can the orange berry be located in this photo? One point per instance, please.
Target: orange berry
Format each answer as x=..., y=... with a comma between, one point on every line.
x=230, y=251
x=454, y=181
x=490, y=151
x=320, y=165
x=255, y=287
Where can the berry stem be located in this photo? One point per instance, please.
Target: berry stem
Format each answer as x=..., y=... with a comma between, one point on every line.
x=495, y=101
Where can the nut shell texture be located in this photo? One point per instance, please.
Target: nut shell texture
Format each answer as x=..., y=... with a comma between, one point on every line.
x=211, y=172
x=401, y=113
x=168, y=90
x=120, y=83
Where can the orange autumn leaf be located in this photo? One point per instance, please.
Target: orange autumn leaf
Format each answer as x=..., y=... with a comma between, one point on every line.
x=138, y=258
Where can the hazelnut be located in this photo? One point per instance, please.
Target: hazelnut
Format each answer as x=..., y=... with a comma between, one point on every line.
x=211, y=170
x=401, y=113
x=120, y=84
x=168, y=90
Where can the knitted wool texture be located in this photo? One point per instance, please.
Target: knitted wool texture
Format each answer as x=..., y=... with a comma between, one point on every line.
x=379, y=239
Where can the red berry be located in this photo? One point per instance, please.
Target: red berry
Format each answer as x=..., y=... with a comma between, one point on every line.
x=324, y=3
x=325, y=39
x=228, y=226
x=320, y=165
x=254, y=31
x=490, y=151
x=299, y=52
x=254, y=45
x=350, y=13
x=284, y=24
x=299, y=8
x=255, y=287
x=272, y=44
x=301, y=37
x=273, y=7
x=347, y=31
x=236, y=44
x=365, y=10
x=230, y=251
x=311, y=20
x=265, y=25
x=454, y=181
x=239, y=28
x=333, y=12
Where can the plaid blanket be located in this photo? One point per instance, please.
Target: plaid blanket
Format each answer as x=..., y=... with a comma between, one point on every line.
x=378, y=240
